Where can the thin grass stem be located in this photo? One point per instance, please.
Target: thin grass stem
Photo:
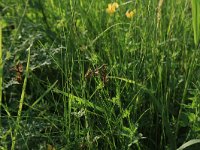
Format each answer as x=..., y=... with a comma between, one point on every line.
x=21, y=102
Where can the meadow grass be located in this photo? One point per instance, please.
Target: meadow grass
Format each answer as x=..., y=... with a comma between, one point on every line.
x=99, y=75
x=195, y=20
x=1, y=71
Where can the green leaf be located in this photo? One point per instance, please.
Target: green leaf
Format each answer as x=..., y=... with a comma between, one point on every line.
x=189, y=143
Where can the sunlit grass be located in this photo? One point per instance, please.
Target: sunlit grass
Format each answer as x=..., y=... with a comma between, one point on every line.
x=100, y=75
x=195, y=20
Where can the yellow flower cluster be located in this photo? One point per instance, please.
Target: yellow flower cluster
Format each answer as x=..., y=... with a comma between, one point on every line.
x=112, y=7
x=130, y=14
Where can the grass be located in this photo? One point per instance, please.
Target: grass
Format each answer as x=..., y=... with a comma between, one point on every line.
x=1, y=71
x=196, y=23
x=21, y=102
x=97, y=79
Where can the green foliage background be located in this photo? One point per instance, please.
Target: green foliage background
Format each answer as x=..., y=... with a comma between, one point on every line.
x=150, y=101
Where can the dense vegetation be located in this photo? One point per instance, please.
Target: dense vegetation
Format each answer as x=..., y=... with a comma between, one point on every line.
x=80, y=74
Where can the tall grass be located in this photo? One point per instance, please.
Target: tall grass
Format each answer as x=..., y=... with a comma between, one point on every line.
x=195, y=20
x=21, y=101
x=1, y=71
x=101, y=81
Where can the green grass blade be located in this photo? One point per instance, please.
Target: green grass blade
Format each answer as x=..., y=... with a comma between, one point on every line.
x=189, y=143
x=196, y=20
x=79, y=100
x=1, y=71
x=45, y=93
x=135, y=83
x=21, y=102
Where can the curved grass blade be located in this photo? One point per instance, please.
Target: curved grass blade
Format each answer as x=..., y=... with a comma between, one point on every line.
x=189, y=143
x=80, y=100
x=133, y=82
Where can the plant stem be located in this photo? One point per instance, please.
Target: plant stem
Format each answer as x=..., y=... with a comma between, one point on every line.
x=1, y=71
x=21, y=102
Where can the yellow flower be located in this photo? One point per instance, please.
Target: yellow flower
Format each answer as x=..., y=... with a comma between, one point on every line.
x=115, y=4
x=130, y=14
x=112, y=7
